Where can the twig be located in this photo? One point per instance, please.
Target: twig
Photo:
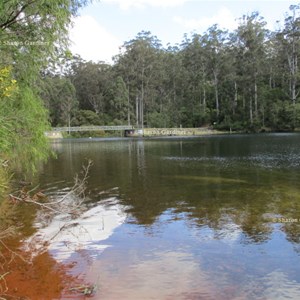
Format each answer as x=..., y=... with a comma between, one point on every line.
x=33, y=189
x=3, y=275
x=12, y=252
x=5, y=288
x=33, y=202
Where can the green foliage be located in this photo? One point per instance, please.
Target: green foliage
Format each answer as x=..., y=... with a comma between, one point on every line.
x=86, y=134
x=23, y=123
x=119, y=100
x=92, y=82
x=32, y=145
x=158, y=120
x=33, y=34
x=86, y=117
x=59, y=96
x=4, y=180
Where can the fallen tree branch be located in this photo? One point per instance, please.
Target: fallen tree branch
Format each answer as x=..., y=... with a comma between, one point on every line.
x=56, y=206
x=28, y=200
x=79, y=186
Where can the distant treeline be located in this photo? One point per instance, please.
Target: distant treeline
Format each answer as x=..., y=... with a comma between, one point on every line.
x=247, y=79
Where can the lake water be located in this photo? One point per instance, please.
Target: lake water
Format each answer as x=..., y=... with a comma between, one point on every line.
x=214, y=217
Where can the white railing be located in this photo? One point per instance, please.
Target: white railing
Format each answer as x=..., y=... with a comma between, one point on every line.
x=93, y=128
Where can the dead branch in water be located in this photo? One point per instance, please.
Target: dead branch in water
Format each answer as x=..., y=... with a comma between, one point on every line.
x=86, y=290
x=4, y=234
x=10, y=231
x=59, y=206
x=3, y=284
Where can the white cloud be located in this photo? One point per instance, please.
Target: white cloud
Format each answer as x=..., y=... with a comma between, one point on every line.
x=126, y=4
x=92, y=41
x=224, y=18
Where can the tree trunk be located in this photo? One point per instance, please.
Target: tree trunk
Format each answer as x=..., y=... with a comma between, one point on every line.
x=235, y=98
x=255, y=100
x=293, y=65
x=204, y=100
x=69, y=122
x=128, y=107
x=251, y=111
x=174, y=91
x=294, y=75
x=216, y=92
x=137, y=110
x=271, y=78
x=142, y=100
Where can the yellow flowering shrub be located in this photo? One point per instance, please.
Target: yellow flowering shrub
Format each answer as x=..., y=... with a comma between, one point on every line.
x=8, y=86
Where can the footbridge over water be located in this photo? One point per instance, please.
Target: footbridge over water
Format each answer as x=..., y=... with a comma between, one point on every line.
x=56, y=132
x=92, y=128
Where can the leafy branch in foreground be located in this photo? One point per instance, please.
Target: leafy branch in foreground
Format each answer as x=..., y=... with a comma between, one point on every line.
x=33, y=36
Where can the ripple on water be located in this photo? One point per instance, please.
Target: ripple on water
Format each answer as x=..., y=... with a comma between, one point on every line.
x=269, y=161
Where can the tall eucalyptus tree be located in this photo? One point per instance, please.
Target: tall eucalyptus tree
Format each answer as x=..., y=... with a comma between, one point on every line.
x=141, y=55
x=291, y=43
x=214, y=43
x=196, y=64
x=92, y=82
x=251, y=34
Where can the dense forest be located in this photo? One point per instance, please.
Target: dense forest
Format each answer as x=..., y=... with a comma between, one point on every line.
x=247, y=79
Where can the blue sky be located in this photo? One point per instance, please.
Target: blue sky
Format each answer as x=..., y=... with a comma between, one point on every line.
x=105, y=25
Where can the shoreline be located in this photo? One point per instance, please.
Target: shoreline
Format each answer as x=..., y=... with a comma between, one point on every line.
x=156, y=132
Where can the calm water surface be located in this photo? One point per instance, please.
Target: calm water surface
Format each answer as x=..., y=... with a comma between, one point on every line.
x=183, y=218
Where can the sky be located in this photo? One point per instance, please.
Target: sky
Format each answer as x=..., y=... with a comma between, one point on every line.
x=103, y=26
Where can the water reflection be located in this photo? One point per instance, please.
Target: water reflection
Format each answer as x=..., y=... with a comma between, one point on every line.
x=174, y=260
x=166, y=275
x=207, y=216
x=211, y=178
x=65, y=236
